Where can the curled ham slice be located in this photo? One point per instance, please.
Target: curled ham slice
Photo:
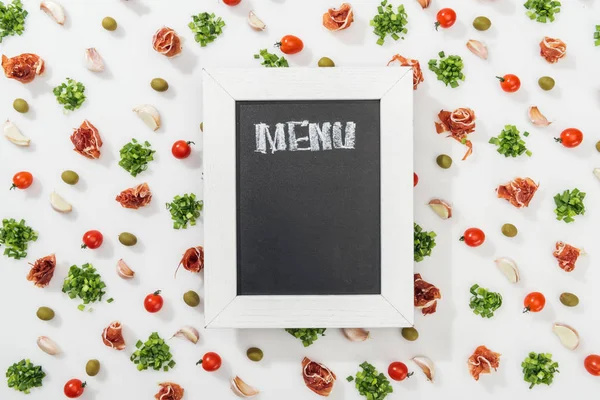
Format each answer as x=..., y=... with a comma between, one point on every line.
x=552, y=49
x=192, y=260
x=426, y=295
x=166, y=42
x=518, y=192
x=135, y=197
x=317, y=377
x=409, y=62
x=459, y=123
x=42, y=271
x=112, y=336
x=23, y=68
x=566, y=255
x=482, y=361
x=169, y=391
x=337, y=19
x=86, y=140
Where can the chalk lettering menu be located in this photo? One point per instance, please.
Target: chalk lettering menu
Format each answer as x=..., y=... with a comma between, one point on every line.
x=308, y=197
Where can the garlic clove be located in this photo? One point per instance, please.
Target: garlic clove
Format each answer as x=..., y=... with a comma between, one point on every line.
x=356, y=334
x=567, y=335
x=54, y=11
x=256, y=22
x=123, y=270
x=426, y=366
x=441, y=208
x=93, y=60
x=47, y=345
x=424, y=3
x=13, y=134
x=59, y=204
x=188, y=332
x=537, y=118
x=149, y=114
x=242, y=389
x=509, y=268
x=478, y=48
x=597, y=172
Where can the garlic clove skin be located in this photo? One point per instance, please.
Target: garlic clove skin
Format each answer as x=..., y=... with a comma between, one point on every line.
x=596, y=172
x=124, y=271
x=12, y=133
x=509, y=268
x=59, y=204
x=47, y=345
x=149, y=114
x=424, y=3
x=478, y=48
x=188, y=332
x=242, y=389
x=441, y=208
x=54, y=11
x=356, y=334
x=93, y=60
x=426, y=366
x=256, y=22
x=567, y=335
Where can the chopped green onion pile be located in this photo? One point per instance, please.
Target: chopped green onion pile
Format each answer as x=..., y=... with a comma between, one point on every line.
x=307, y=335
x=542, y=10
x=539, y=368
x=154, y=353
x=84, y=283
x=23, y=376
x=12, y=19
x=388, y=22
x=206, y=27
x=597, y=36
x=484, y=302
x=569, y=204
x=448, y=69
x=424, y=243
x=370, y=383
x=70, y=94
x=135, y=157
x=271, y=60
x=509, y=142
x=185, y=209
x=15, y=236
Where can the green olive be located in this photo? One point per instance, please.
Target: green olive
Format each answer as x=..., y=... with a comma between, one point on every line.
x=410, y=334
x=92, y=367
x=109, y=24
x=191, y=298
x=546, y=83
x=127, y=239
x=482, y=23
x=509, y=230
x=45, y=313
x=255, y=354
x=70, y=177
x=201, y=126
x=326, y=62
x=21, y=106
x=598, y=146
x=444, y=161
x=159, y=84
x=569, y=299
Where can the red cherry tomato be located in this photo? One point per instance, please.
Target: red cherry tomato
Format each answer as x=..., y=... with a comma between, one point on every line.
x=509, y=83
x=415, y=179
x=210, y=361
x=232, y=2
x=22, y=180
x=181, y=149
x=446, y=17
x=290, y=44
x=534, y=302
x=473, y=237
x=570, y=137
x=592, y=364
x=153, y=302
x=74, y=388
x=398, y=371
x=92, y=240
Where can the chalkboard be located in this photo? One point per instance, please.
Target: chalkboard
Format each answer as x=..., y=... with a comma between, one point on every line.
x=308, y=197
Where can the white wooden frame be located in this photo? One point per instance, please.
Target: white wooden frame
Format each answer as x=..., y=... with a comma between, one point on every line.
x=223, y=308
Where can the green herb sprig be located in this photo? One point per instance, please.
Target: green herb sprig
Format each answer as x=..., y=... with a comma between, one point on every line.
x=387, y=22
x=271, y=60
x=448, y=69
x=484, y=302
x=597, y=36
x=185, y=209
x=135, y=157
x=509, y=142
x=154, y=353
x=12, y=19
x=370, y=383
x=84, y=283
x=24, y=375
x=15, y=236
x=424, y=243
x=569, y=204
x=542, y=10
x=206, y=27
x=539, y=368
x=307, y=335
x=70, y=94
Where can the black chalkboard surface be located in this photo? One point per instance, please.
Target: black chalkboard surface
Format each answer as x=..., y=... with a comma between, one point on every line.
x=308, y=197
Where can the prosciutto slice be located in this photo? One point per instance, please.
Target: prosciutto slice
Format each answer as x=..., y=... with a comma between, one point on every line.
x=317, y=377
x=426, y=295
x=192, y=260
x=166, y=42
x=23, y=68
x=482, y=361
x=552, y=49
x=112, y=336
x=566, y=255
x=169, y=391
x=86, y=140
x=135, y=197
x=459, y=123
x=409, y=62
x=337, y=19
x=42, y=271
x=518, y=192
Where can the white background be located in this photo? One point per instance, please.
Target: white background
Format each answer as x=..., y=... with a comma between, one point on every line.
x=448, y=337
